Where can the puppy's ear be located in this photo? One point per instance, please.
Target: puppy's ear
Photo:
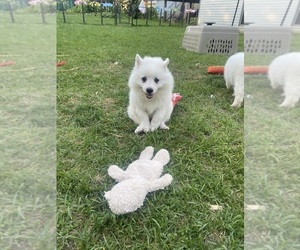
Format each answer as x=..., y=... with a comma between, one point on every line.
x=138, y=60
x=166, y=62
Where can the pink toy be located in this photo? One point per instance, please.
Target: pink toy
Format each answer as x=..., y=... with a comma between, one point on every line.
x=175, y=98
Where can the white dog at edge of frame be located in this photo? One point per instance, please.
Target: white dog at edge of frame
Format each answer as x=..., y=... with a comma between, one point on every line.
x=234, y=77
x=150, y=97
x=284, y=73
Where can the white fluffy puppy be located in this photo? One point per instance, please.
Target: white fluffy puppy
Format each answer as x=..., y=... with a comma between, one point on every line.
x=150, y=97
x=234, y=77
x=284, y=73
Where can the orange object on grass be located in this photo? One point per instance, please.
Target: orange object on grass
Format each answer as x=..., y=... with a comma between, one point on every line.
x=8, y=63
x=215, y=70
x=256, y=69
x=247, y=69
x=61, y=63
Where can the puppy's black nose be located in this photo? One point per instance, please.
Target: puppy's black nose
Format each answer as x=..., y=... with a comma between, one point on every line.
x=149, y=90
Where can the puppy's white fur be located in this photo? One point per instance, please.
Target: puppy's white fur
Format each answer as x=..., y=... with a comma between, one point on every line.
x=234, y=77
x=150, y=96
x=284, y=73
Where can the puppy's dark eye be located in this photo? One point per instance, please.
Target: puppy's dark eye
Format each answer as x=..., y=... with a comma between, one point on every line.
x=144, y=79
x=156, y=80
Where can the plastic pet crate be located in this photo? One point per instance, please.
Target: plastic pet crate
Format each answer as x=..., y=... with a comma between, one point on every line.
x=211, y=39
x=267, y=40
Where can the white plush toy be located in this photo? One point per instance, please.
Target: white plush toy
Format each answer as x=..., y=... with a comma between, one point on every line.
x=142, y=176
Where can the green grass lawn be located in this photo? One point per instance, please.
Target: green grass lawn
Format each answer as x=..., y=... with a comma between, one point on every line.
x=272, y=156
x=27, y=134
x=205, y=142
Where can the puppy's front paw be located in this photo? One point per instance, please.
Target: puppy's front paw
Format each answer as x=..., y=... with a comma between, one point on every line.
x=238, y=100
x=287, y=104
x=236, y=105
x=156, y=126
x=163, y=126
x=153, y=128
x=141, y=129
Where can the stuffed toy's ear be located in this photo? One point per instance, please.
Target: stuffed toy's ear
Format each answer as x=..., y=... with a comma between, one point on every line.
x=162, y=156
x=107, y=195
x=147, y=153
x=138, y=60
